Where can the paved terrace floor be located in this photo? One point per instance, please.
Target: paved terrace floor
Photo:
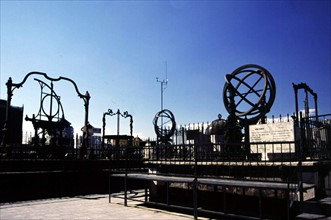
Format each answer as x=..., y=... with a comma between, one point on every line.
x=83, y=207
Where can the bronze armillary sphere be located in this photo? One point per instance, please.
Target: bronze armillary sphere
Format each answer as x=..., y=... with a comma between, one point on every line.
x=164, y=125
x=249, y=92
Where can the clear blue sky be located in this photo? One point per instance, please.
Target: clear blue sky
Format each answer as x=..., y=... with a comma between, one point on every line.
x=116, y=49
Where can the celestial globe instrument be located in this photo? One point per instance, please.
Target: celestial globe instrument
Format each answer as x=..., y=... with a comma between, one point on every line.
x=249, y=92
x=164, y=125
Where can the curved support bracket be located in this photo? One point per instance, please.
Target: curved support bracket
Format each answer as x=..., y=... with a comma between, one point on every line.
x=125, y=115
x=18, y=85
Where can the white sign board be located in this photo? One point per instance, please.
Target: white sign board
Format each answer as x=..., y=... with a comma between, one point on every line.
x=269, y=133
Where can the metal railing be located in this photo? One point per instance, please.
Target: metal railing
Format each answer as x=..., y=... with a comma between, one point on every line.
x=316, y=137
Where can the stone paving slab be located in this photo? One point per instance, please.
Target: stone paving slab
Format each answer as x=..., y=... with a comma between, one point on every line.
x=82, y=207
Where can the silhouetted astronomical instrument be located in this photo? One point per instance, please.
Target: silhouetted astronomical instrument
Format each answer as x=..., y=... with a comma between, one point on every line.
x=164, y=125
x=253, y=90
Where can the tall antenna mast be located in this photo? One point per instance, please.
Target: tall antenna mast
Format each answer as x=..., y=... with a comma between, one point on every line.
x=166, y=70
x=163, y=83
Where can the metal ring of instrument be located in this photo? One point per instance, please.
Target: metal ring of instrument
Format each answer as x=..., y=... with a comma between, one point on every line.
x=162, y=119
x=254, y=92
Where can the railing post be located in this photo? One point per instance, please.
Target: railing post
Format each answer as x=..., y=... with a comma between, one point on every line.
x=109, y=183
x=195, y=196
x=260, y=203
x=300, y=165
x=224, y=199
x=5, y=148
x=126, y=177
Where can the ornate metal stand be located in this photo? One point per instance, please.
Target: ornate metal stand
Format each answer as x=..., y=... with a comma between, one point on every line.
x=5, y=146
x=308, y=138
x=117, y=138
x=51, y=121
x=118, y=113
x=232, y=134
x=248, y=95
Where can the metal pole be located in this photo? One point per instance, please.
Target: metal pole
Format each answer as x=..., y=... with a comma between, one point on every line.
x=109, y=184
x=126, y=114
x=307, y=120
x=162, y=82
x=51, y=104
x=162, y=95
x=316, y=108
x=306, y=105
x=118, y=122
x=85, y=144
x=195, y=190
x=161, y=107
x=103, y=130
x=301, y=156
x=6, y=133
x=296, y=104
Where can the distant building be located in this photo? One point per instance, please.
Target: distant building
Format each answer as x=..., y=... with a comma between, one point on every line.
x=15, y=125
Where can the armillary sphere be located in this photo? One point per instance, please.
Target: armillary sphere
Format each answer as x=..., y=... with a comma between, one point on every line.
x=249, y=92
x=164, y=125
x=50, y=103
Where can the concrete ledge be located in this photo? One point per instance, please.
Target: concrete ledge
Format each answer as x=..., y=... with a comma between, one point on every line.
x=309, y=216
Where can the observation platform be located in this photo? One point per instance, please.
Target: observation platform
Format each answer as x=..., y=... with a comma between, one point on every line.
x=94, y=206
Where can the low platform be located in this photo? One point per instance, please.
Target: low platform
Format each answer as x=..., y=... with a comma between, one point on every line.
x=191, y=203
x=217, y=181
x=234, y=163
